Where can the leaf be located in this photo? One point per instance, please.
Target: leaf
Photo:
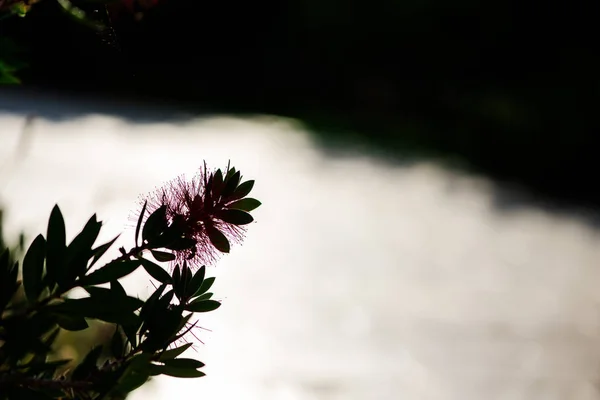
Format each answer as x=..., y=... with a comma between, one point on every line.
x=88, y=365
x=242, y=190
x=217, y=185
x=173, y=353
x=149, y=304
x=236, y=217
x=114, y=295
x=156, y=271
x=56, y=248
x=117, y=345
x=203, y=306
x=231, y=183
x=207, y=284
x=196, y=282
x=218, y=239
x=111, y=271
x=100, y=250
x=205, y=296
x=104, y=304
x=184, y=363
x=247, y=204
x=117, y=288
x=135, y=375
x=139, y=223
x=179, y=372
x=33, y=268
x=162, y=256
x=79, y=250
x=155, y=224
x=71, y=323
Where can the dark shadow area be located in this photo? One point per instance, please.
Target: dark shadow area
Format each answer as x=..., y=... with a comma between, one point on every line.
x=504, y=89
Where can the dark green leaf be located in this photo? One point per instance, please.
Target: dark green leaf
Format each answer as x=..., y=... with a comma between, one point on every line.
x=180, y=372
x=149, y=304
x=71, y=323
x=117, y=345
x=88, y=365
x=242, y=190
x=205, y=296
x=173, y=353
x=135, y=375
x=80, y=250
x=111, y=271
x=177, y=286
x=230, y=173
x=114, y=295
x=139, y=223
x=231, y=183
x=56, y=249
x=203, y=306
x=218, y=239
x=33, y=268
x=206, y=285
x=117, y=288
x=100, y=250
x=162, y=256
x=156, y=271
x=196, y=282
x=247, y=204
x=217, y=185
x=130, y=330
x=49, y=341
x=184, y=363
x=155, y=224
x=236, y=217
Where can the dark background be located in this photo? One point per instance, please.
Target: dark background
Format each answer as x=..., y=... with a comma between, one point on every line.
x=509, y=89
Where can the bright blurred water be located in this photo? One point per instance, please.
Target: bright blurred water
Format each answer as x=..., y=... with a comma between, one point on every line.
x=360, y=279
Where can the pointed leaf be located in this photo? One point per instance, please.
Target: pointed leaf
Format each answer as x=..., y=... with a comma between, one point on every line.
x=117, y=344
x=139, y=223
x=71, y=323
x=184, y=363
x=206, y=285
x=117, y=288
x=196, y=282
x=162, y=256
x=180, y=372
x=111, y=271
x=156, y=271
x=88, y=365
x=100, y=250
x=33, y=268
x=79, y=250
x=231, y=183
x=56, y=248
x=242, y=190
x=203, y=306
x=205, y=296
x=173, y=353
x=218, y=239
x=236, y=217
x=155, y=224
x=247, y=204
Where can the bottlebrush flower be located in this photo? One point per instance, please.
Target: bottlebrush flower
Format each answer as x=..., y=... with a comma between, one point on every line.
x=201, y=216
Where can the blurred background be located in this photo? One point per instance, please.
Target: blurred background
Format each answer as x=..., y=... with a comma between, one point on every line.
x=429, y=227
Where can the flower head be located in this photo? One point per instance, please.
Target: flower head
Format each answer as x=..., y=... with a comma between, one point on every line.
x=201, y=216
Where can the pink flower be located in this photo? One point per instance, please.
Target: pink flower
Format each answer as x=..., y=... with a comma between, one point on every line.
x=209, y=211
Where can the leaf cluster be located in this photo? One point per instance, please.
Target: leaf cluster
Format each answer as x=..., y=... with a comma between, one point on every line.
x=149, y=335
